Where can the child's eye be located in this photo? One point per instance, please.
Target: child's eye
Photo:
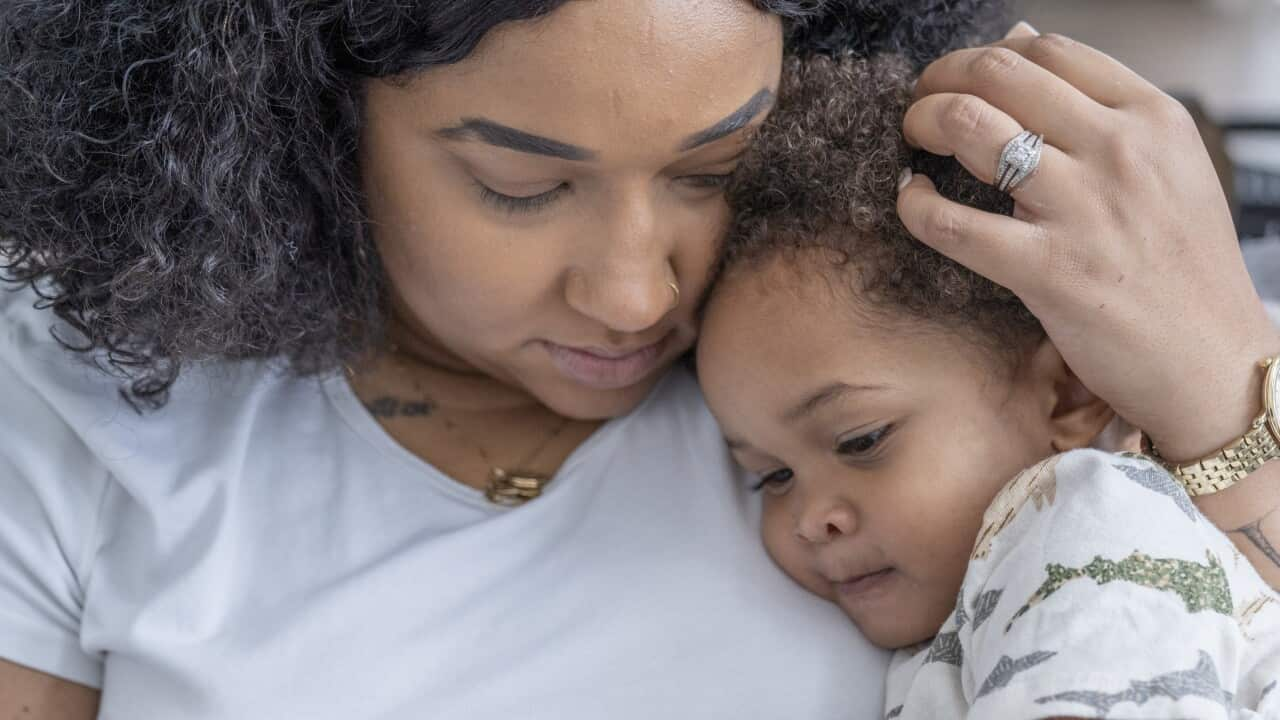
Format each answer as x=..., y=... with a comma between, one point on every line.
x=863, y=445
x=775, y=482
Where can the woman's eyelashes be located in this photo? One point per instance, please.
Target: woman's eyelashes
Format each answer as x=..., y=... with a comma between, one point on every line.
x=520, y=204
x=512, y=204
x=707, y=181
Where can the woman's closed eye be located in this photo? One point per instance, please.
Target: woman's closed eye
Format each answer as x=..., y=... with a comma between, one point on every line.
x=532, y=203
x=712, y=181
x=521, y=203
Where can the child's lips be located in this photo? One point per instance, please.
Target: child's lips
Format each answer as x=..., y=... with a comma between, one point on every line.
x=860, y=585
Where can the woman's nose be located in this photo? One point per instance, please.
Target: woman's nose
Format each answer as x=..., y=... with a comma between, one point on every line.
x=826, y=518
x=626, y=284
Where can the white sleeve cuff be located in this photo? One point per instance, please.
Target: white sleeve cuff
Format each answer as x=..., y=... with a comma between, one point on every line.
x=47, y=652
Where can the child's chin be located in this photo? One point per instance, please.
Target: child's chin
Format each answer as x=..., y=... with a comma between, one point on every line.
x=893, y=633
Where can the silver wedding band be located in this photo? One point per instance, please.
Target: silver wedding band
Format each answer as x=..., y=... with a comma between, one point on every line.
x=1018, y=160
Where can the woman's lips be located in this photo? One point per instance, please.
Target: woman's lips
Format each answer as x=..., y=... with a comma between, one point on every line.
x=603, y=370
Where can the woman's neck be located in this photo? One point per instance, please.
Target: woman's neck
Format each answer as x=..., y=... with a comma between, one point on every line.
x=413, y=357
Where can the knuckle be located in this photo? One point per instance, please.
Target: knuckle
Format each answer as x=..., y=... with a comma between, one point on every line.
x=995, y=63
x=1137, y=145
x=1173, y=115
x=1046, y=49
x=966, y=114
x=944, y=225
x=1130, y=160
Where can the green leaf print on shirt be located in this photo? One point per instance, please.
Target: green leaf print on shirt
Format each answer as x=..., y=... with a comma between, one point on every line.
x=1201, y=587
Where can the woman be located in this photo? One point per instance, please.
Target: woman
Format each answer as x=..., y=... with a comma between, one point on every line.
x=533, y=189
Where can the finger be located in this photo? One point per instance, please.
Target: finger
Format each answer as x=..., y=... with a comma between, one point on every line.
x=999, y=247
x=1036, y=98
x=1021, y=29
x=976, y=133
x=1101, y=77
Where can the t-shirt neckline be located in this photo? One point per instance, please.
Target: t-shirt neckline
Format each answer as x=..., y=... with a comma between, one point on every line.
x=354, y=414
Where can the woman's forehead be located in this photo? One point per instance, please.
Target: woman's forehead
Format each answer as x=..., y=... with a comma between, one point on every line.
x=599, y=74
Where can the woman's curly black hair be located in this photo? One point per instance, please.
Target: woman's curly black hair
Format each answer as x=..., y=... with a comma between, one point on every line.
x=178, y=180
x=818, y=188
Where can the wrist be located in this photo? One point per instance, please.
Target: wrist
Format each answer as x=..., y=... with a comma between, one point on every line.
x=1224, y=403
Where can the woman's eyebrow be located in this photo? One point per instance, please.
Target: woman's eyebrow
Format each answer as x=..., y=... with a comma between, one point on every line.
x=505, y=136
x=508, y=137
x=736, y=120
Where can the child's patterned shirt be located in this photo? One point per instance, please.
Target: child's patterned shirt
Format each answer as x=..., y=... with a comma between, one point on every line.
x=1097, y=589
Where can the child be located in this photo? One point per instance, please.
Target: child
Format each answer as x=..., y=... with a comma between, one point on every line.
x=882, y=396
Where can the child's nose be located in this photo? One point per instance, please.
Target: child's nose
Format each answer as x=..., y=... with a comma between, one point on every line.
x=825, y=520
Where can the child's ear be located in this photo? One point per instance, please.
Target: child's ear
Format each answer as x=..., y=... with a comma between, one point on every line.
x=1076, y=416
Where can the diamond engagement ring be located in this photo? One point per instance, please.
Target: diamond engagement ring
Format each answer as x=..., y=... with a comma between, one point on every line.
x=1018, y=160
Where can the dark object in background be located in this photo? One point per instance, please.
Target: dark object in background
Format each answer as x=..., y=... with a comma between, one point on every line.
x=1252, y=191
x=1257, y=188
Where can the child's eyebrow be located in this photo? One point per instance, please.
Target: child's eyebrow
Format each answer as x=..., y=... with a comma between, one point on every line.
x=825, y=396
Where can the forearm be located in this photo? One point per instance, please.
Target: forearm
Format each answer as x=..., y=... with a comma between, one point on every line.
x=1249, y=513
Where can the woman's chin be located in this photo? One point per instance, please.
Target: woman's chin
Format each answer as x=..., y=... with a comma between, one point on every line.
x=573, y=400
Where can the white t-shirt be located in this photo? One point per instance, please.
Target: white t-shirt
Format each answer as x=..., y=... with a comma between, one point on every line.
x=1097, y=589
x=261, y=548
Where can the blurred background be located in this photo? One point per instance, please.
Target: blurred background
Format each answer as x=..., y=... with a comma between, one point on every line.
x=1222, y=58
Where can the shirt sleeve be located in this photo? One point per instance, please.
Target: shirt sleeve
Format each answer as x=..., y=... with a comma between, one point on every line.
x=51, y=489
x=1097, y=589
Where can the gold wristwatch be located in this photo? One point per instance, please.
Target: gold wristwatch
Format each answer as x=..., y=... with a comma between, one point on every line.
x=1232, y=463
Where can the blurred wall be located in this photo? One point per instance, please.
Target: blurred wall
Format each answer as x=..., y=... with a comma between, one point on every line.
x=1226, y=52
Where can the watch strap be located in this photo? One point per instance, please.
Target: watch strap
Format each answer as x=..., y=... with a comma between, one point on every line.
x=1229, y=465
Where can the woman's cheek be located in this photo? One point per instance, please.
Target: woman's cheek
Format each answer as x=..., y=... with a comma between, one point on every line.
x=698, y=241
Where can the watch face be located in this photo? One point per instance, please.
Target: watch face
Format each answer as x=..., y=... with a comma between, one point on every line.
x=1273, y=398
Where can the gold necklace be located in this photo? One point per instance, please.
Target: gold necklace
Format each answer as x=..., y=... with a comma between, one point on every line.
x=506, y=487
x=520, y=485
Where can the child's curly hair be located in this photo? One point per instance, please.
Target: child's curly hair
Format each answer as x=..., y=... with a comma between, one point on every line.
x=822, y=175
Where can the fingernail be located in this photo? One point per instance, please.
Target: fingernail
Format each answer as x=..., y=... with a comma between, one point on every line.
x=1022, y=29
x=904, y=179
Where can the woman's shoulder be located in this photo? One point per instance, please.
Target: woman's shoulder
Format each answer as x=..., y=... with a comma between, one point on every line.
x=677, y=393
x=56, y=398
